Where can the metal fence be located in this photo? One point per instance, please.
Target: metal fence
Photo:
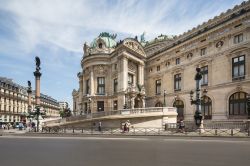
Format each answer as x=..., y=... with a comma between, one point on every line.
x=208, y=129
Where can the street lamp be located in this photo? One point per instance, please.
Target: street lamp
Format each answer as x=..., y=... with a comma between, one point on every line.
x=248, y=105
x=164, y=94
x=197, y=101
x=89, y=101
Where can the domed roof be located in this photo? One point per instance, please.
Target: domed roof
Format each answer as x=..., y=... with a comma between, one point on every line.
x=108, y=39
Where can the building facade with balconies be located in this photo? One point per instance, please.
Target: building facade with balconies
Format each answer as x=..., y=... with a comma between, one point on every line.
x=133, y=74
x=14, y=102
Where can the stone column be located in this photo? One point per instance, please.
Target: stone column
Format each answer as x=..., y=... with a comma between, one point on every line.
x=141, y=74
x=37, y=75
x=92, y=92
x=124, y=74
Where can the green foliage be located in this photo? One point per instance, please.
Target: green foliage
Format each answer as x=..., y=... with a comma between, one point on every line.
x=65, y=113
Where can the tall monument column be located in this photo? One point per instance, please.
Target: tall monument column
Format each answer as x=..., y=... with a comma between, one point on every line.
x=37, y=75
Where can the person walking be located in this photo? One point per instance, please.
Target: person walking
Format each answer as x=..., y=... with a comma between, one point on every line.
x=100, y=126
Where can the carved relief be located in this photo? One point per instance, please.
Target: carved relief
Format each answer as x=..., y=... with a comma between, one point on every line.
x=131, y=66
x=134, y=46
x=100, y=69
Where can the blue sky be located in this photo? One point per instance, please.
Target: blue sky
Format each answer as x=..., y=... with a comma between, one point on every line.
x=56, y=31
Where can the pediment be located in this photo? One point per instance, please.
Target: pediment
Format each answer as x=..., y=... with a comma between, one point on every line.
x=134, y=45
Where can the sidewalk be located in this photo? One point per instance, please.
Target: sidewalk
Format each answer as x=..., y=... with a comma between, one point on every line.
x=12, y=131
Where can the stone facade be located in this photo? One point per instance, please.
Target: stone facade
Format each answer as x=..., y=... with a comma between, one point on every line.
x=143, y=70
x=14, y=102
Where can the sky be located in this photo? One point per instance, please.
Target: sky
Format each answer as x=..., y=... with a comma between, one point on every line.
x=56, y=31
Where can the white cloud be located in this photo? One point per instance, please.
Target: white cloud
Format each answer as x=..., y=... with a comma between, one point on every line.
x=68, y=24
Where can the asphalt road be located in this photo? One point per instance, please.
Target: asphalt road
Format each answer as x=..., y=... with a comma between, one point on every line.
x=127, y=151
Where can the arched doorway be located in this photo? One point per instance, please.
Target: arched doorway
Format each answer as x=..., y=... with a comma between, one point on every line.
x=158, y=104
x=238, y=104
x=206, y=107
x=180, y=109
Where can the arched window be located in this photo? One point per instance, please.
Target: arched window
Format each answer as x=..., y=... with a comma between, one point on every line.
x=180, y=109
x=159, y=104
x=206, y=107
x=100, y=45
x=237, y=104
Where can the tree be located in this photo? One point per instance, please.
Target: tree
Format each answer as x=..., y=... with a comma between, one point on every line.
x=65, y=113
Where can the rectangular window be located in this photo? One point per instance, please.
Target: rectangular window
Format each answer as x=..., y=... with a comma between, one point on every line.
x=203, y=51
x=100, y=106
x=115, y=105
x=115, y=85
x=87, y=86
x=130, y=79
x=85, y=107
x=204, y=72
x=100, y=85
x=177, y=82
x=238, y=67
x=238, y=38
x=177, y=61
x=158, y=87
x=158, y=68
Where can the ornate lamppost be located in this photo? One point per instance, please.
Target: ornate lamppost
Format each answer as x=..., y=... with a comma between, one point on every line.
x=89, y=101
x=197, y=101
x=164, y=94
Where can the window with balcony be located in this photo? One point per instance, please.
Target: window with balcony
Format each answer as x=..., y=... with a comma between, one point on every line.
x=177, y=82
x=158, y=87
x=115, y=85
x=100, y=85
x=238, y=67
x=238, y=38
x=204, y=72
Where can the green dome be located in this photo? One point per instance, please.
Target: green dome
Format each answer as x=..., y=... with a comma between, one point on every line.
x=108, y=39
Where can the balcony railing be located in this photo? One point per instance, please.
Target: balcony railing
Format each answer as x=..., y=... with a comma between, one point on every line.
x=121, y=112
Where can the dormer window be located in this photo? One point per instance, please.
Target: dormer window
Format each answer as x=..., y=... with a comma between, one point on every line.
x=100, y=45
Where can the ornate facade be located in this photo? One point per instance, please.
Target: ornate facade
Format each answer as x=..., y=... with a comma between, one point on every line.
x=14, y=102
x=131, y=74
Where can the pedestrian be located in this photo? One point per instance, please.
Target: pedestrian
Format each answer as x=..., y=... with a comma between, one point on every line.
x=14, y=124
x=8, y=126
x=100, y=126
x=181, y=125
x=125, y=127
x=128, y=125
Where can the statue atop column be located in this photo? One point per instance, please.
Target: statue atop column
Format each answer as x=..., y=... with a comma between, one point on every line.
x=29, y=87
x=38, y=62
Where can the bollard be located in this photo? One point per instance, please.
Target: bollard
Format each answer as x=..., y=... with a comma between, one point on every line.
x=73, y=130
x=82, y=130
x=216, y=131
x=111, y=130
x=232, y=132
